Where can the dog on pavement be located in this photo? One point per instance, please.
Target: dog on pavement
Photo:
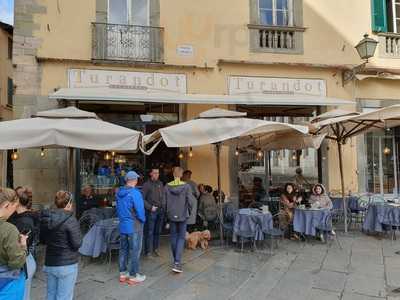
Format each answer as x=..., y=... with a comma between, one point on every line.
x=198, y=237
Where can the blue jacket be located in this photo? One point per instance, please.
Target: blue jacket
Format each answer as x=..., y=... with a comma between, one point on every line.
x=130, y=210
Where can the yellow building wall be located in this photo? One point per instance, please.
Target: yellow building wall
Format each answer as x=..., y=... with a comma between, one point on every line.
x=218, y=30
x=6, y=71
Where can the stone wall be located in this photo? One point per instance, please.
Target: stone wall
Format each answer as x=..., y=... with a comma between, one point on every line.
x=45, y=175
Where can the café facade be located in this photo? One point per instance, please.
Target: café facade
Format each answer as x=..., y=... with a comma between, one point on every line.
x=165, y=71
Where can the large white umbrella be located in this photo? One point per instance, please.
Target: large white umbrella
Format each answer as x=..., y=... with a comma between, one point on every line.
x=67, y=127
x=339, y=125
x=223, y=127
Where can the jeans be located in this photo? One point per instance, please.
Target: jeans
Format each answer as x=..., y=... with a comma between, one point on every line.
x=152, y=230
x=31, y=269
x=130, y=248
x=61, y=281
x=178, y=233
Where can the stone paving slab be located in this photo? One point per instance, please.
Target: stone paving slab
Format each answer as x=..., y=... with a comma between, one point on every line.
x=365, y=268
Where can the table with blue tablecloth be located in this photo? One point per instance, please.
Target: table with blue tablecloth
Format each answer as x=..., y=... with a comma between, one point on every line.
x=352, y=204
x=308, y=220
x=251, y=223
x=381, y=214
x=101, y=213
x=95, y=240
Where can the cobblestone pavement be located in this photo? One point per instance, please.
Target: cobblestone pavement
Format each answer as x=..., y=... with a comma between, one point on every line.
x=365, y=268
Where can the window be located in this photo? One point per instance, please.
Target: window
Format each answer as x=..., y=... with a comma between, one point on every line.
x=10, y=48
x=10, y=91
x=386, y=16
x=132, y=12
x=276, y=12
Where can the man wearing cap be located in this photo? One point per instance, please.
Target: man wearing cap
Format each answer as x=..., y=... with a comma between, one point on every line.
x=131, y=215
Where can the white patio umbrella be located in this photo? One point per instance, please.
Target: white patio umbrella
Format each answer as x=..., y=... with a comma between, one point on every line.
x=339, y=125
x=67, y=127
x=222, y=127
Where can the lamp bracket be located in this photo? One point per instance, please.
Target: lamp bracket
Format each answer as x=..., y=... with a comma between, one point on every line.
x=349, y=75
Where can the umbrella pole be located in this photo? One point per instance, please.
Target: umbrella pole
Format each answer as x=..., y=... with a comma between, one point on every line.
x=342, y=184
x=221, y=215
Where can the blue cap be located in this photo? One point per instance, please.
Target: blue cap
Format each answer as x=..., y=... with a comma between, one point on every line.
x=131, y=175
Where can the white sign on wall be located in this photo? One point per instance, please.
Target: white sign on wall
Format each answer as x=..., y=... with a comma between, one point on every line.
x=239, y=85
x=185, y=50
x=157, y=82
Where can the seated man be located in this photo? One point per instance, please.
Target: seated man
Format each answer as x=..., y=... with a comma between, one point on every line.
x=88, y=199
x=207, y=207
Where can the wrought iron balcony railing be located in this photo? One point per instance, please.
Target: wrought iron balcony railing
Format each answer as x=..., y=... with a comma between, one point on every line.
x=127, y=42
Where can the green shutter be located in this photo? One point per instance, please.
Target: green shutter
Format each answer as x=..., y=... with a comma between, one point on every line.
x=379, y=15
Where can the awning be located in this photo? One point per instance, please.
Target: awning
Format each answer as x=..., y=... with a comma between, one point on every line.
x=139, y=95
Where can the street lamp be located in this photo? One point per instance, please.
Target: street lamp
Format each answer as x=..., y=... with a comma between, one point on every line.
x=366, y=49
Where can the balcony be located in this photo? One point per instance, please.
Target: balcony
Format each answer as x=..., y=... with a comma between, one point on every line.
x=276, y=39
x=131, y=43
x=389, y=45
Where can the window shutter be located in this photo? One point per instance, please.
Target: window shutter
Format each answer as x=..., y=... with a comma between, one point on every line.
x=101, y=11
x=298, y=13
x=10, y=91
x=254, y=12
x=379, y=15
x=155, y=13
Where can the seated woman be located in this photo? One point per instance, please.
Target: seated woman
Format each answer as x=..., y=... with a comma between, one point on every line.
x=289, y=200
x=319, y=198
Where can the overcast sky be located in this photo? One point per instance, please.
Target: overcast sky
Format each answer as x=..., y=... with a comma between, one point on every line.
x=7, y=11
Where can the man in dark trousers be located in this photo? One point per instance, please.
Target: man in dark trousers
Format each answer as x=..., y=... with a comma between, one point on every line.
x=154, y=203
x=178, y=195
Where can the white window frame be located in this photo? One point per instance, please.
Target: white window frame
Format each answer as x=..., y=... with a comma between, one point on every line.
x=129, y=15
x=395, y=17
x=290, y=13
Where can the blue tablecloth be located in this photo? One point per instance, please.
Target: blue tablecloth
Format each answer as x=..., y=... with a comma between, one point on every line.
x=95, y=241
x=307, y=221
x=101, y=213
x=352, y=203
x=380, y=214
x=251, y=223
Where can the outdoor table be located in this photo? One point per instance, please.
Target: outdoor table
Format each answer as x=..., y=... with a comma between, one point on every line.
x=380, y=214
x=308, y=220
x=251, y=223
x=102, y=213
x=352, y=203
x=95, y=241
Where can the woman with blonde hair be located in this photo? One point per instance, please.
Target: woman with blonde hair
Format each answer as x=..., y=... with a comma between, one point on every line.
x=13, y=249
x=60, y=231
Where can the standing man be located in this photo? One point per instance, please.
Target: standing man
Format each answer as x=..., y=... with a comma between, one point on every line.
x=178, y=196
x=154, y=203
x=131, y=215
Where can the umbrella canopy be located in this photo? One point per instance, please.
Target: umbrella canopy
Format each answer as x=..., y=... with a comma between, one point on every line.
x=342, y=125
x=222, y=126
x=67, y=127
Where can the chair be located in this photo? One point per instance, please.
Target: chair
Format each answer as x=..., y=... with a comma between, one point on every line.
x=229, y=212
x=87, y=221
x=275, y=234
x=329, y=224
x=113, y=243
x=359, y=216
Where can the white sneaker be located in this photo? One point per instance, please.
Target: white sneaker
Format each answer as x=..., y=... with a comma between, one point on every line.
x=139, y=278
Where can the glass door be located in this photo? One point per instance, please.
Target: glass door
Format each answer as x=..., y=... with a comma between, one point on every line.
x=382, y=167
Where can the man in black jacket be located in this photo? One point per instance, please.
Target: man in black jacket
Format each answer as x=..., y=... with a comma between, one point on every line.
x=154, y=203
x=60, y=231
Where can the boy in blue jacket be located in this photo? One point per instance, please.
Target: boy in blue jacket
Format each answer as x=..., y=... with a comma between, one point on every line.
x=131, y=214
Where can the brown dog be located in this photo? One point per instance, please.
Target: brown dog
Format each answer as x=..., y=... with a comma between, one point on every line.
x=194, y=238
